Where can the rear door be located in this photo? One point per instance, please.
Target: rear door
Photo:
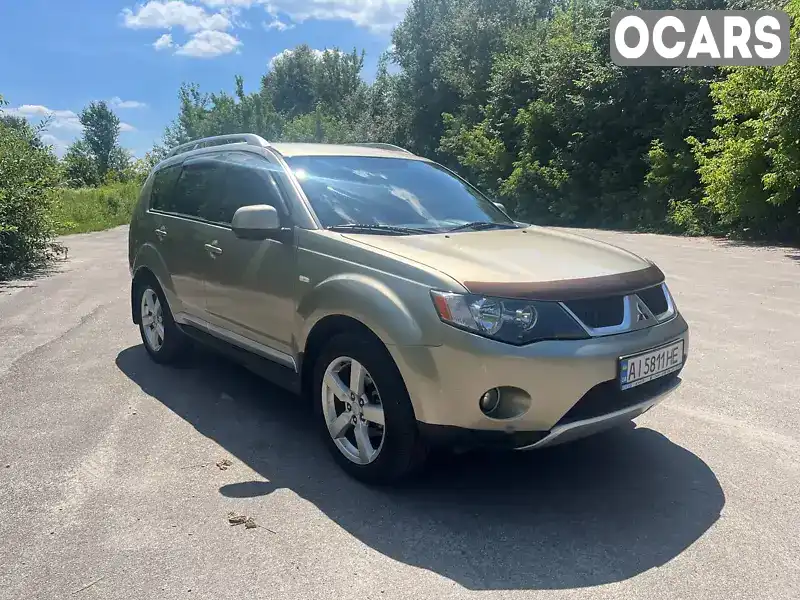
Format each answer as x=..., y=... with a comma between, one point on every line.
x=180, y=235
x=250, y=283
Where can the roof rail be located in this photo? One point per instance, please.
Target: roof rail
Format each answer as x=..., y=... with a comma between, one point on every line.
x=218, y=140
x=382, y=146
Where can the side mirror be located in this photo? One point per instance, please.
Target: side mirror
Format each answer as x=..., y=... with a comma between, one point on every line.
x=257, y=222
x=502, y=207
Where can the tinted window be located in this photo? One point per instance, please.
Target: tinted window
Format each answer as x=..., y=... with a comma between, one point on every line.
x=199, y=185
x=163, y=184
x=248, y=181
x=389, y=191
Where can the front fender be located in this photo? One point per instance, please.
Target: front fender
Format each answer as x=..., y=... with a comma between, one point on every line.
x=395, y=320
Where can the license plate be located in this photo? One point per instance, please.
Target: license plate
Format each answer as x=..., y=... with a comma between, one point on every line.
x=640, y=368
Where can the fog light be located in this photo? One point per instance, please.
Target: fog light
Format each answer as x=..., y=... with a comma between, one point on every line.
x=490, y=401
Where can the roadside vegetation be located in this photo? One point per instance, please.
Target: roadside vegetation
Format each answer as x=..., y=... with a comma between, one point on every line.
x=93, y=187
x=94, y=209
x=520, y=96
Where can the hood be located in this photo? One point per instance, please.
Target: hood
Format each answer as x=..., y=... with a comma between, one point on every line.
x=534, y=263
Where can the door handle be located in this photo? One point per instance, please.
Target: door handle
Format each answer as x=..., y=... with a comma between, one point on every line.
x=213, y=251
x=161, y=232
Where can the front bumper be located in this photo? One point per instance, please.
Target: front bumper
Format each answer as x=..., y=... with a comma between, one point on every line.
x=573, y=430
x=566, y=430
x=445, y=382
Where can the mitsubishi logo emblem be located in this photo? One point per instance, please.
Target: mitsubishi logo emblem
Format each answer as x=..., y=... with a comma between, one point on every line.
x=641, y=315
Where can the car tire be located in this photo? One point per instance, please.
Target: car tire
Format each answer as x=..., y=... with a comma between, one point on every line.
x=401, y=452
x=156, y=323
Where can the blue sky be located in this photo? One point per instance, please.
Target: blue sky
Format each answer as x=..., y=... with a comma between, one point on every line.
x=58, y=55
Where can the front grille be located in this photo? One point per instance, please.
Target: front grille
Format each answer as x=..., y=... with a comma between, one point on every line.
x=607, y=397
x=655, y=299
x=599, y=312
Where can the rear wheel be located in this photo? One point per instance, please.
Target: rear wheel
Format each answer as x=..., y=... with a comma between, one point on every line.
x=364, y=411
x=164, y=342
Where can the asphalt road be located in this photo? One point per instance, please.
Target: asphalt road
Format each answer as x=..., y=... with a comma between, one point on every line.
x=108, y=476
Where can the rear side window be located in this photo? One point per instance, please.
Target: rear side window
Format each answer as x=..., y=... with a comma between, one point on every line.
x=163, y=185
x=247, y=180
x=215, y=186
x=199, y=186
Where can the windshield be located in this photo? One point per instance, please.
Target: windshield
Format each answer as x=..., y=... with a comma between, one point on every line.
x=395, y=192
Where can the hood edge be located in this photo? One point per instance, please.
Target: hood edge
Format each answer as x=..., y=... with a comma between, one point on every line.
x=571, y=289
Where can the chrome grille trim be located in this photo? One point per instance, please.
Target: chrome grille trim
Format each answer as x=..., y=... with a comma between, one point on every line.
x=636, y=315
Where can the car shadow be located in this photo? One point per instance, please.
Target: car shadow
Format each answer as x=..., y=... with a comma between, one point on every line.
x=596, y=511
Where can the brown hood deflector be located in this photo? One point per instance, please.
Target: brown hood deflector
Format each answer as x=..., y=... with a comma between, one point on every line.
x=571, y=289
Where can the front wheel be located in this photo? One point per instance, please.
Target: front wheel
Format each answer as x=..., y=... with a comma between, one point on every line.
x=364, y=412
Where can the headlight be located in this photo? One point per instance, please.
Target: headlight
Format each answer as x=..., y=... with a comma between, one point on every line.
x=511, y=321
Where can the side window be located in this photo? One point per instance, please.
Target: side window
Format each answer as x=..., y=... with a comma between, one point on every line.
x=163, y=185
x=199, y=186
x=248, y=181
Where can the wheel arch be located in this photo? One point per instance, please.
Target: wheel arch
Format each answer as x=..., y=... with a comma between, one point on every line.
x=327, y=328
x=141, y=275
x=322, y=331
x=148, y=262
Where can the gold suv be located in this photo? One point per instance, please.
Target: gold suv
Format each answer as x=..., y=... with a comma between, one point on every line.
x=411, y=308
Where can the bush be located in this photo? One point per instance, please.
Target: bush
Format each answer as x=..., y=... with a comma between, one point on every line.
x=29, y=175
x=95, y=209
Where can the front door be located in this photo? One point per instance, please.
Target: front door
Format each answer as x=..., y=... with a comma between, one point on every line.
x=249, y=284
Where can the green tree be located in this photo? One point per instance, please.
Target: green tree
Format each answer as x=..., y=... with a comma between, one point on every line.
x=384, y=109
x=291, y=82
x=101, y=129
x=566, y=135
x=21, y=125
x=202, y=115
x=446, y=49
x=119, y=161
x=29, y=177
x=80, y=168
x=319, y=127
x=750, y=167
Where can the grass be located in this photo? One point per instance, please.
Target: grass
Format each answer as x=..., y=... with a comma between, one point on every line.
x=95, y=209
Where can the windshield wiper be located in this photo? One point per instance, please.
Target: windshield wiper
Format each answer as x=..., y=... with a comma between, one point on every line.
x=479, y=225
x=376, y=228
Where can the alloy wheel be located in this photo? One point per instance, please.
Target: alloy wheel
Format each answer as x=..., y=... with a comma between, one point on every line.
x=152, y=320
x=353, y=410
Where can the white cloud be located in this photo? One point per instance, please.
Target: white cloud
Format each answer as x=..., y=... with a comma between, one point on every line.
x=288, y=52
x=117, y=102
x=276, y=23
x=377, y=15
x=207, y=20
x=164, y=42
x=208, y=44
x=174, y=13
x=232, y=3
x=64, y=122
x=60, y=119
x=59, y=146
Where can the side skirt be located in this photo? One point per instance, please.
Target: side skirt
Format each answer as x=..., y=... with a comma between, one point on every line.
x=273, y=372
